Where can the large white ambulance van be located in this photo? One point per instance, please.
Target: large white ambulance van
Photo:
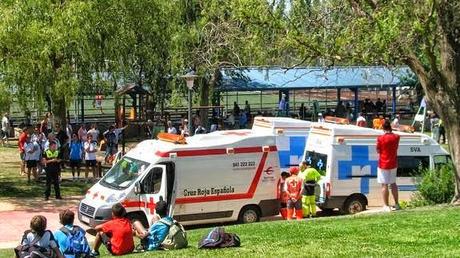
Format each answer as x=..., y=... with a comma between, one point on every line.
x=216, y=177
x=291, y=136
x=347, y=155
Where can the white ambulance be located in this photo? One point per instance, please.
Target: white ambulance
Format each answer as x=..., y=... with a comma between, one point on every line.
x=216, y=177
x=291, y=136
x=347, y=155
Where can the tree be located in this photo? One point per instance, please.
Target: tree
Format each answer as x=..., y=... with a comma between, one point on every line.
x=43, y=43
x=423, y=34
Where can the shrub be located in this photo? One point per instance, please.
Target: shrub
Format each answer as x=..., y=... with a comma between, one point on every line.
x=435, y=186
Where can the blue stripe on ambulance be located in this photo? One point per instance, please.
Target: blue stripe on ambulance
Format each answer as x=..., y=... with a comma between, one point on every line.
x=407, y=188
x=293, y=155
x=360, y=158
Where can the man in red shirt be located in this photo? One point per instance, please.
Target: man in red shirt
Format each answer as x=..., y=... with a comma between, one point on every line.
x=116, y=234
x=387, y=148
x=21, y=142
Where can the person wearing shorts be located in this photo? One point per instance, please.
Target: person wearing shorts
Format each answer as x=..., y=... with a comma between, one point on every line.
x=387, y=148
x=116, y=234
x=21, y=143
x=90, y=148
x=75, y=155
x=294, y=187
x=31, y=157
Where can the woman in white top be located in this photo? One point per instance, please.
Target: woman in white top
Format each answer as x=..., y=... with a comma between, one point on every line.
x=90, y=148
x=171, y=128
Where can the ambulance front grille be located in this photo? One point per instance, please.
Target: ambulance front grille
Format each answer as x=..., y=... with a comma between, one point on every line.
x=87, y=210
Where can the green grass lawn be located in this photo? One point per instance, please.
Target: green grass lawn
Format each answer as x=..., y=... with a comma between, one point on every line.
x=423, y=232
x=14, y=185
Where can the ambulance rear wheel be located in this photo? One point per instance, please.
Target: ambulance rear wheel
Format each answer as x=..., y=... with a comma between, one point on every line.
x=354, y=204
x=249, y=214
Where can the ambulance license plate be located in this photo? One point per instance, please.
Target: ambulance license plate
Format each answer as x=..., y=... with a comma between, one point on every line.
x=84, y=219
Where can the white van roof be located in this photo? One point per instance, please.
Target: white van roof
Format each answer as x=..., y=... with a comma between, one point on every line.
x=354, y=134
x=217, y=142
x=279, y=122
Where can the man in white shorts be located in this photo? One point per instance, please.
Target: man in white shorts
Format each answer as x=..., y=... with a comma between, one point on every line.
x=387, y=148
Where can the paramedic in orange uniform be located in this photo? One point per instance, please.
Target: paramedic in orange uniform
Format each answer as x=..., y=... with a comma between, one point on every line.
x=294, y=190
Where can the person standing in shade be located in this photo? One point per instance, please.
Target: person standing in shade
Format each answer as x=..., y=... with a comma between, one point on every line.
x=387, y=148
x=171, y=128
x=21, y=143
x=53, y=170
x=282, y=106
x=395, y=124
x=32, y=157
x=90, y=148
x=76, y=153
x=5, y=133
x=44, y=124
x=361, y=120
x=94, y=133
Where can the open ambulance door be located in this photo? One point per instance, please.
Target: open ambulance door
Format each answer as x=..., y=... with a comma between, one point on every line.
x=152, y=187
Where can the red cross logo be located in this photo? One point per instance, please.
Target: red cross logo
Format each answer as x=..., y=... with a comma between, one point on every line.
x=236, y=133
x=151, y=206
x=95, y=195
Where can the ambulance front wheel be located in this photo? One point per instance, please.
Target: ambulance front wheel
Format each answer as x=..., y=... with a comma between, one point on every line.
x=249, y=214
x=354, y=204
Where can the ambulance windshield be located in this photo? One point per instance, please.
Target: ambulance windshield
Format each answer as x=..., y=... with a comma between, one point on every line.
x=317, y=161
x=124, y=173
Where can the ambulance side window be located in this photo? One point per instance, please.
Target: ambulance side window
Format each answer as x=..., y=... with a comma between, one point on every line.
x=152, y=182
x=441, y=160
x=409, y=166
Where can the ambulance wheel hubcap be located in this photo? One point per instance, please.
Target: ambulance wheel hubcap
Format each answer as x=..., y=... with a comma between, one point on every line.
x=250, y=216
x=355, y=207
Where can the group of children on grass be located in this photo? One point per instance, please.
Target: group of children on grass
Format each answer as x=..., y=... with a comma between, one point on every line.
x=116, y=235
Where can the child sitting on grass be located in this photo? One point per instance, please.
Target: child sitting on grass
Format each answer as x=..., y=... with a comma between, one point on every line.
x=116, y=234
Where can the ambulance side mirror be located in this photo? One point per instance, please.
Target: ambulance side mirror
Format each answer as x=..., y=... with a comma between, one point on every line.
x=137, y=188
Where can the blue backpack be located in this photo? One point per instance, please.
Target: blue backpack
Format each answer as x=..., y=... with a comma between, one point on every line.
x=76, y=242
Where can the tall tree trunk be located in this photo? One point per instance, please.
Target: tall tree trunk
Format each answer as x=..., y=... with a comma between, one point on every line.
x=59, y=110
x=449, y=105
x=204, y=101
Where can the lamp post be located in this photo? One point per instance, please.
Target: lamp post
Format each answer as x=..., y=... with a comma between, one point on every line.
x=190, y=79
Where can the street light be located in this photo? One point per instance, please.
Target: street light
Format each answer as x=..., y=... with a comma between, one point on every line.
x=190, y=79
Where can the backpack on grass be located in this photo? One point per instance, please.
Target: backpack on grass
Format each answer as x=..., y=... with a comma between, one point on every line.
x=76, y=242
x=32, y=250
x=218, y=238
x=176, y=238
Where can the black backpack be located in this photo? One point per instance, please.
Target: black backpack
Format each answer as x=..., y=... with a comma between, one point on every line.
x=218, y=238
x=32, y=250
